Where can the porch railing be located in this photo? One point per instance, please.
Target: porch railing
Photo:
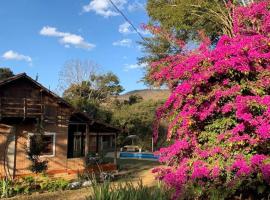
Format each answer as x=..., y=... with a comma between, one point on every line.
x=32, y=108
x=20, y=107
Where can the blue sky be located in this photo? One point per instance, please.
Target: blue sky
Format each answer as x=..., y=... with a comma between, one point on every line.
x=39, y=36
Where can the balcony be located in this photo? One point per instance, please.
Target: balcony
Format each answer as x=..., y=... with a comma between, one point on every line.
x=20, y=108
x=32, y=108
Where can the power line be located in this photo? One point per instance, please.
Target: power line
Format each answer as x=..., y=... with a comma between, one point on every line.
x=136, y=30
x=130, y=23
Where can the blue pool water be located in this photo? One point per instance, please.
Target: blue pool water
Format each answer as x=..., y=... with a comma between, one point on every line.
x=150, y=156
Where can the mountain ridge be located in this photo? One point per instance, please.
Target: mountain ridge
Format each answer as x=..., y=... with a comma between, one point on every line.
x=147, y=94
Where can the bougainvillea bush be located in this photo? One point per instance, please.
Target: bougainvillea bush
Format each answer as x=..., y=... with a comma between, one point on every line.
x=219, y=113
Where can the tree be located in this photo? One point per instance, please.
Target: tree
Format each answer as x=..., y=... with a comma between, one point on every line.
x=190, y=16
x=34, y=151
x=98, y=89
x=136, y=118
x=107, y=85
x=88, y=95
x=134, y=99
x=5, y=73
x=185, y=19
x=74, y=72
x=218, y=113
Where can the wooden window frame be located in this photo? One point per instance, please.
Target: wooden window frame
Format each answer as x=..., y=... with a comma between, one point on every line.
x=45, y=133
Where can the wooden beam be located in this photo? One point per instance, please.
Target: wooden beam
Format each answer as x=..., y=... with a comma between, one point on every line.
x=115, y=150
x=0, y=108
x=97, y=143
x=24, y=108
x=87, y=141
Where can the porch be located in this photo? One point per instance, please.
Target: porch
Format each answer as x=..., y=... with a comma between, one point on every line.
x=94, y=139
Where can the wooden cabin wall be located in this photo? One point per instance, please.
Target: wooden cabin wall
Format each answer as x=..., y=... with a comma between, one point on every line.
x=43, y=105
x=3, y=140
x=55, y=120
x=20, y=88
x=55, y=117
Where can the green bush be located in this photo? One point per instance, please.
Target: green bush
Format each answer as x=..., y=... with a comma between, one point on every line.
x=29, y=184
x=128, y=191
x=53, y=185
x=5, y=188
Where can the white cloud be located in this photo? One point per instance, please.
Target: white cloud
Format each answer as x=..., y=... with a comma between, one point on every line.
x=126, y=28
x=134, y=66
x=51, y=31
x=104, y=7
x=144, y=32
x=12, y=55
x=136, y=6
x=65, y=38
x=123, y=43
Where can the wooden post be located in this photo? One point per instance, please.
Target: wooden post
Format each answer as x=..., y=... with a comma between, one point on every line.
x=97, y=143
x=0, y=108
x=152, y=144
x=24, y=108
x=101, y=143
x=115, y=150
x=87, y=141
x=15, y=152
x=42, y=110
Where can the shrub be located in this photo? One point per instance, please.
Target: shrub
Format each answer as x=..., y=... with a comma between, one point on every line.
x=29, y=184
x=5, y=188
x=219, y=113
x=128, y=191
x=53, y=185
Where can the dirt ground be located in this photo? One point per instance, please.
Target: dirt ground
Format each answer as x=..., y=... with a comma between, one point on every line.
x=136, y=171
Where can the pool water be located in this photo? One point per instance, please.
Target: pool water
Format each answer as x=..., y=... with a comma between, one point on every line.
x=150, y=156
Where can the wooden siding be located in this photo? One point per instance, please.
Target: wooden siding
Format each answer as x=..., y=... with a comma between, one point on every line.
x=23, y=99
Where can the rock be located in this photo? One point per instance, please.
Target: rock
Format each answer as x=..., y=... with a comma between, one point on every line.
x=87, y=183
x=74, y=185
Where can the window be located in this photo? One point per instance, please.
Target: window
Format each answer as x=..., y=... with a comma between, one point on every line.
x=48, y=143
x=76, y=140
x=78, y=144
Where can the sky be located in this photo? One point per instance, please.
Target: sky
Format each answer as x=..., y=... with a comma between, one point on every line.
x=40, y=36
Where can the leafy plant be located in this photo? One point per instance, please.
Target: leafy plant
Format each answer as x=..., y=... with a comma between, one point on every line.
x=128, y=190
x=35, y=150
x=54, y=185
x=5, y=188
x=218, y=112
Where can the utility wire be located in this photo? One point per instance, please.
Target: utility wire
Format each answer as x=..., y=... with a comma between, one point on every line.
x=130, y=23
x=136, y=30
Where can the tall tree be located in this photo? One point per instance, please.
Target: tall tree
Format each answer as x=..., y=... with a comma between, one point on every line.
x=219, y=115
x=106, y=85
x=98, y=89
x=88, y=95
x=74, y=72
x=5, y=73
x=185, y=19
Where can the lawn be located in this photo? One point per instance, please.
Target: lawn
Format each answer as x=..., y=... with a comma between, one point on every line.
x=131, y=170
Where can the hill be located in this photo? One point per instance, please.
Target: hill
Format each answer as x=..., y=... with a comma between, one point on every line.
x=147, y=94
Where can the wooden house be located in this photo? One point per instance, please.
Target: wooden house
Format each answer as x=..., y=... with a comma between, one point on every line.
x=69, y=136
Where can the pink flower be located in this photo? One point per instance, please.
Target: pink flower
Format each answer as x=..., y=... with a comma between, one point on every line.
x=219, y=105
x=264, y=131
x=241, y=167
x=215, y=172
x=257, y=159
x=266, y=172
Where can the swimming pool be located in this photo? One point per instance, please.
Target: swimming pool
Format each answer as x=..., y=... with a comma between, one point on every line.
x=138, y=155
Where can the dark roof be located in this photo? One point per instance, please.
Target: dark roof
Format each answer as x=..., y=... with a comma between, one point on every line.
x=49, y=92
x=59, y=99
